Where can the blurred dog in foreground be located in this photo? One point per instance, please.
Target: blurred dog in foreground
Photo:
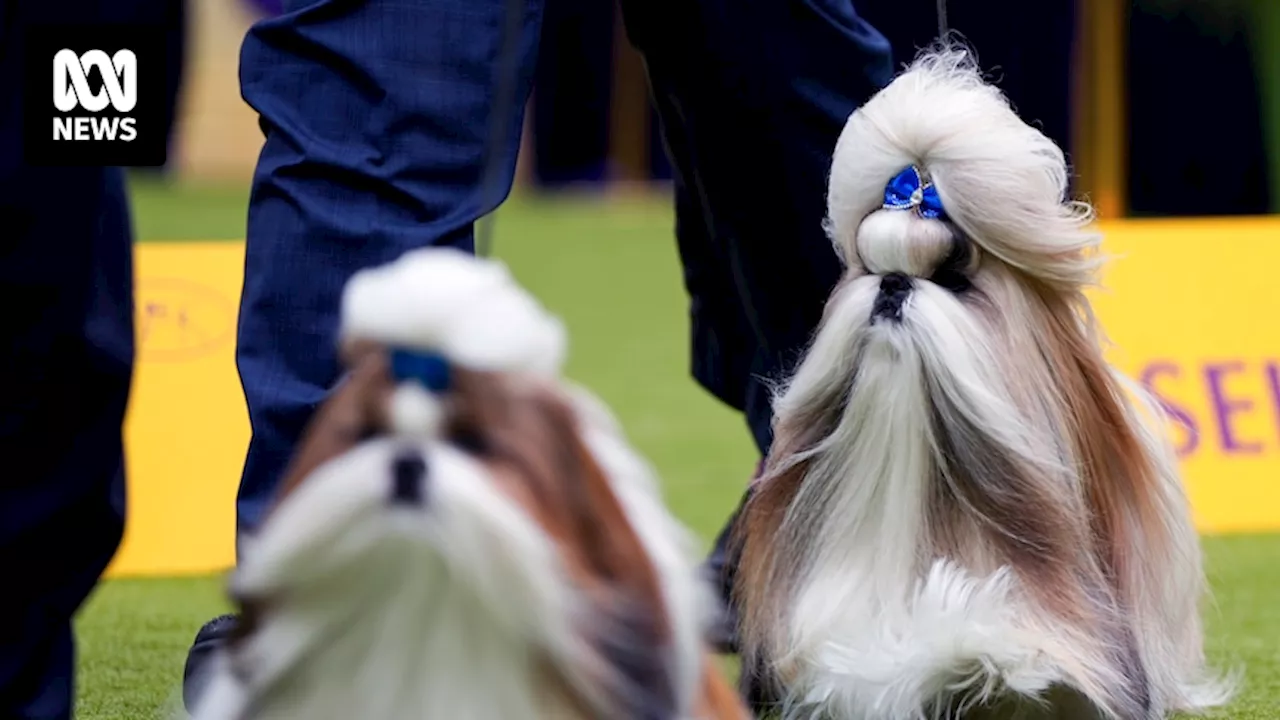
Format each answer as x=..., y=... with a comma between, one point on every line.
x=463, y=535
x=967, y=511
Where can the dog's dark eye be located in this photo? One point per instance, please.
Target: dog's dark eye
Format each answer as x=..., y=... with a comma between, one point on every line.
x=953, y=273
x=469, y=440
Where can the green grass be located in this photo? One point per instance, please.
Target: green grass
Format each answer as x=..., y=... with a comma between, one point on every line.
x=164, y=211
x=608, y=267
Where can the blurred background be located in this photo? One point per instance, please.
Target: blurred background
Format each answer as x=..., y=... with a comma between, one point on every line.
x=1169, y=110
x=1169, y=107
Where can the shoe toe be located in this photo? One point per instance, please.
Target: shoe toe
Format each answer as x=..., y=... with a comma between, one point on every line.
x=210, y=637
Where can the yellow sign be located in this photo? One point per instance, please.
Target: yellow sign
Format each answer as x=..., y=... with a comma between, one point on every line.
x=1189, y=305
x=187, y=427
x=1191, y=308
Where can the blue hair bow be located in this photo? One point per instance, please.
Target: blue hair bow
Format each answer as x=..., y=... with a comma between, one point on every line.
x=907, y=191
x=430, y=369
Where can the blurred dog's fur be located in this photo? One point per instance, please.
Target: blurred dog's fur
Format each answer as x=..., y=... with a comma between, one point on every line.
x=494, y=550
x=966, y=510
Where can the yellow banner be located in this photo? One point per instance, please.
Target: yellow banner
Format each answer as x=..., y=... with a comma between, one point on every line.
x=1190, y=306
x=187, y=428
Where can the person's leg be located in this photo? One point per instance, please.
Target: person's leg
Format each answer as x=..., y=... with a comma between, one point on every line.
x=66, y=289
x=377, y=116
x=66, y=279
x=752, y=97
x=571, y=103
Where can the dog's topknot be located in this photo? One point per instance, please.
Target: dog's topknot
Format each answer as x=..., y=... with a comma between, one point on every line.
x=1002, y=182
x=469, y=310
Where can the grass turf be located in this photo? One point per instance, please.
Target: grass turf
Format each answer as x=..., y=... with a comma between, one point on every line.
x=609, y=267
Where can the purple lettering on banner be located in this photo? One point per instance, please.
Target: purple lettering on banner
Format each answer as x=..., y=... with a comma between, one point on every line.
x=1180, y=414
x=1224, y=407
x=1273, y=384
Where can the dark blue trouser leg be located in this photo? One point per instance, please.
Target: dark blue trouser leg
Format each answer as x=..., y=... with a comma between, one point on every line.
x=752, y=95
x=377, y=119
x=571, y=102
x=66, y=346
x=66, y=281
x=378, y=122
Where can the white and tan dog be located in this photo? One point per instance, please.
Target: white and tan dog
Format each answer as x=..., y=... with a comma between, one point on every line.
x=464, y=536
x=967, y=511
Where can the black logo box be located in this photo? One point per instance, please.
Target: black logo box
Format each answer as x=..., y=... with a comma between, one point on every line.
x=148, y=148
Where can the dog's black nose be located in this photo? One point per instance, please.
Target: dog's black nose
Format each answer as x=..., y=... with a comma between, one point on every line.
x=894, y=289
x=409, y=478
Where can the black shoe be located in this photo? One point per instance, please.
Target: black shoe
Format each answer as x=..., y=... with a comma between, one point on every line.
x=195, y=676
x=720, y=569
x=722, y=635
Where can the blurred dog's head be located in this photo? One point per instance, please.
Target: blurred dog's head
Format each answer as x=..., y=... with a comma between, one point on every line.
x=463, y=534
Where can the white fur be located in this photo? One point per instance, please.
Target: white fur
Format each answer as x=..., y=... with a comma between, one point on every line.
x=469, y=309
x=874, y=625
x=415, y=411
x=959, y=639
x=400, y=612
x=450, y=608
x=1001, y=180
x=442, y=610
x=897, y=241
x=862, y=595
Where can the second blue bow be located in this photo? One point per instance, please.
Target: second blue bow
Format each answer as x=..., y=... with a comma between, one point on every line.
x=908, y=191
x=430, y=369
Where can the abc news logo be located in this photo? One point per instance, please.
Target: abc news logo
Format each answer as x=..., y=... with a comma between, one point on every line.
x=71, y=90
x=95, y=96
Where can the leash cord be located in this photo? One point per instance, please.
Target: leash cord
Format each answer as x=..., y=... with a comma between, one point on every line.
x=506, y=73
x=942, y=19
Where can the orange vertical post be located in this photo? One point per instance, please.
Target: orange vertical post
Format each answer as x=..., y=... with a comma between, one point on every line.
x=628, y=111
x=1101, y=118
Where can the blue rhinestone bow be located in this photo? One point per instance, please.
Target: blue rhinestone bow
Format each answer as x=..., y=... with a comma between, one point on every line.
x=906, y=192
x=430, y=369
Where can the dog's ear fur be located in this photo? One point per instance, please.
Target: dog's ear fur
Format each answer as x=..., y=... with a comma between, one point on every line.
x=353, y=413
x=540, y=440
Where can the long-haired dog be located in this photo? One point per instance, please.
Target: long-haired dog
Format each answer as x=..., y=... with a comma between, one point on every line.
x=966, y=510
x=464, y=536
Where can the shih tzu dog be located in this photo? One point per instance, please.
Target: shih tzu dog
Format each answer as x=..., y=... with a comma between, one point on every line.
x=966, y=511
x=463, y=535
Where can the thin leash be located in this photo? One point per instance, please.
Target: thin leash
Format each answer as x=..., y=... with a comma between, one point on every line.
x=506, y=90
x=942, y=19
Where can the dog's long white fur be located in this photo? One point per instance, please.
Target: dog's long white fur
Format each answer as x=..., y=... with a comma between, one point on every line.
x=876, y=625
x=398, y=612
x=878, y=628
x=452, y=608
